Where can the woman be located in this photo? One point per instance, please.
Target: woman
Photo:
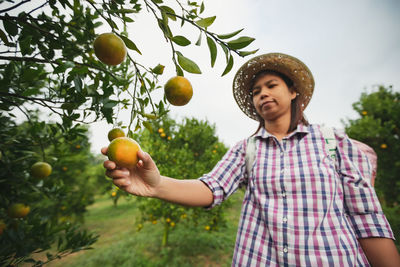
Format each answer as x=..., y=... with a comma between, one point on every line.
x=300, y=207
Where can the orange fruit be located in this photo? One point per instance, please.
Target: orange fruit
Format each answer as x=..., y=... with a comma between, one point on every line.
x=109, y=49
x=115, y=133
x=2, y=226
x=18, y=210
x=41, y=170
x=123, y=151
x=178, y=91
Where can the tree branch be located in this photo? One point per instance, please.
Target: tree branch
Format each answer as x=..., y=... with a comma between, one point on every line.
x=15, y=6
x=32, y=98
x=39, y=60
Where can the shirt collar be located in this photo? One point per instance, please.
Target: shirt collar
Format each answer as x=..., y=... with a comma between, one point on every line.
x=301, y=128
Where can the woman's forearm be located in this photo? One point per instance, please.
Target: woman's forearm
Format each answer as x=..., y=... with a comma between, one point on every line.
x=380, y=251
x=184, y=192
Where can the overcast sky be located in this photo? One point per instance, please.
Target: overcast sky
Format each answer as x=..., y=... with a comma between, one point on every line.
x=350, y=46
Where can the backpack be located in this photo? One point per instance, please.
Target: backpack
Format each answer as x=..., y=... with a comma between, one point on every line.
x=330, y=140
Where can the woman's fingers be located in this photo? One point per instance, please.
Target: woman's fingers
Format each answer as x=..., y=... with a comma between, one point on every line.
x=145, y=160
x=104, y=150
x=109, y=165
x=121, y=182
x=118, y=173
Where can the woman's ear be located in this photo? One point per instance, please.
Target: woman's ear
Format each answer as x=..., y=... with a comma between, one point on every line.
x=293, y=93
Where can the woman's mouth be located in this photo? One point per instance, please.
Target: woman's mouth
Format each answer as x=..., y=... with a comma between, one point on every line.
x=266, y=104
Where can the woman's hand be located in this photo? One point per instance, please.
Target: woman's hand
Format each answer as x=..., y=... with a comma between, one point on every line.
x=140, y=180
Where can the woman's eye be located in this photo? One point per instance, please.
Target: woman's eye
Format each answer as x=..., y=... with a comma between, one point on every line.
x=272, y=85
x=255, y=92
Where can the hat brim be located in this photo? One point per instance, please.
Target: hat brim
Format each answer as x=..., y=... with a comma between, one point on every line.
x=292, y=67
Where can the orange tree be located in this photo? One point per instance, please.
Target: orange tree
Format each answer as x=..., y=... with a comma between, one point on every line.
x=184, y=150
x=48, y=63
x=56, y=203
x=378, y=126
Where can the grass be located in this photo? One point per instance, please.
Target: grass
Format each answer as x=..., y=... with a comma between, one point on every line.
x=120, y=244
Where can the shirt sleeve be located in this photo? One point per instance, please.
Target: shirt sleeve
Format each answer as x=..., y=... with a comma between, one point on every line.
x=229, y=173
x=361, y=202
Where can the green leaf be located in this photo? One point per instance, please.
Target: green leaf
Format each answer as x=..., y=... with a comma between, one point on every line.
x=229, y=35
x=169, y=12
x=213, y=50
x=10, y=26
x=150, y=116
x=148, y=126
x=228, y=66
x=246, y=53
x=78, y=83
x=3, y=37
x=31, y=91
x=179, y=71
x=131, y=45
x=226, y=51
x=187, y=64
x=127, y=19
x=63, y=67
x=198, y=42
x=157, y=1
x=159, y=69
x=206, y=22
x=25, y=45
x=241, y=42
x=29, y=75
x=164, y=27
x=202, y=7
x=180, y=40
x=127, y=11
x=112, y=23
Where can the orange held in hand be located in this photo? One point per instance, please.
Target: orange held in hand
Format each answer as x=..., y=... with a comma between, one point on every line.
x=41, y=170
x=178, y=91
x=109, y=48
x=115, y=133
x=123, y=151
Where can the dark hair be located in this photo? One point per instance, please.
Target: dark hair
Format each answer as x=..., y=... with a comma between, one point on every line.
x=296, y=110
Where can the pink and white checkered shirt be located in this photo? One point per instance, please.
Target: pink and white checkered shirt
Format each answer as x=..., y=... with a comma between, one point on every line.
x=299, y=208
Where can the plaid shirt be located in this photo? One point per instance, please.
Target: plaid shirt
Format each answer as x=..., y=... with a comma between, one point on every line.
x=299, y=208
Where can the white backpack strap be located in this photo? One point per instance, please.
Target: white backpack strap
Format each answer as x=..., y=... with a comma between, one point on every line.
x=330, y=141
x=250, y=154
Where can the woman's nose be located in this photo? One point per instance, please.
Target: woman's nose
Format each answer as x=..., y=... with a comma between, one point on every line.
x=263, y=93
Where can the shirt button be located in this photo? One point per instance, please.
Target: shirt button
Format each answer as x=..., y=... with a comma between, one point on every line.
x=285, y=249
x=284, y=219
x=282, y=171
x=283, y=194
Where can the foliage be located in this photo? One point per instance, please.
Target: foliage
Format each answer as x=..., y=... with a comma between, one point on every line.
x=48, y=57
x=57, y=202
x=184, y=150
x=379, y=127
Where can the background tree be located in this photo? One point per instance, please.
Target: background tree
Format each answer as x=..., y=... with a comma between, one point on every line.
x=56, y=203
x=184, y=150
x=379, y=127
x=47, y=62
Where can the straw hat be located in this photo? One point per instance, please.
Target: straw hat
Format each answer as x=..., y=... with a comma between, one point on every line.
x=292, y=67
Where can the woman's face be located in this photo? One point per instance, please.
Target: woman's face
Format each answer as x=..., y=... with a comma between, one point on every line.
x=272, y=98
